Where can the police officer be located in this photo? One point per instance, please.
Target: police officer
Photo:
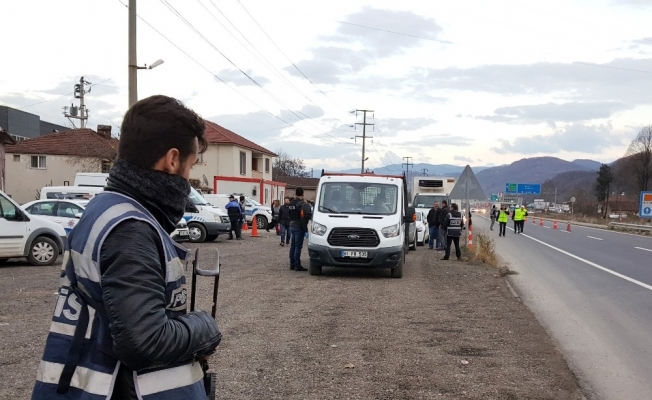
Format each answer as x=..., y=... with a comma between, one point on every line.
x=453, y=224
x=234, y=210
x=120, y=328
x=300, y=213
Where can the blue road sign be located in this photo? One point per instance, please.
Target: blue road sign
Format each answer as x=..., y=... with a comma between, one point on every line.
x=523, y=188
x=645, y=210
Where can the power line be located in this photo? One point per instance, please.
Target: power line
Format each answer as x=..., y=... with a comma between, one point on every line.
x=394, y=32
x=610, y=67
x=191, y=26
x=62, y=96
x=221, y=80
x=288, y=58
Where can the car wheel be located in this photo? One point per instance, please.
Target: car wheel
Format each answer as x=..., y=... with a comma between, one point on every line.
x=314, y=268
x=210, y=238
x=43, y=251
x=196, y=232
x=261, y=222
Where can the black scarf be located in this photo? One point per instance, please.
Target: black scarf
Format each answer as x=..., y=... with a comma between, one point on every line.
x=163, y=194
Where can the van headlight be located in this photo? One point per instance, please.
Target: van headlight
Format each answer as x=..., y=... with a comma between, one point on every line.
x=217, y=217
x=391, y=231
x=318, y=229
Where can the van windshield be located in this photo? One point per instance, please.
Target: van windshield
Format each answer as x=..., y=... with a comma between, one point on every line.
x=196, y=198
x=358, y=198
x=427, y=200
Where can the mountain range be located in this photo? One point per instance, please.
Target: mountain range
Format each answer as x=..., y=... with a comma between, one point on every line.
x=493, y=179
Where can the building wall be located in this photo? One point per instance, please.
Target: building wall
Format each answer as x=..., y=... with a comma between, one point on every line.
x=23, y=183
x=2, y=167
x=308, y=194
x=209, y=166
x=19, y=123
x=47, y=128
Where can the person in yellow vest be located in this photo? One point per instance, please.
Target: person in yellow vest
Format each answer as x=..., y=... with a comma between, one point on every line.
x=518, y=219
x=521, y=223
x=503, y=217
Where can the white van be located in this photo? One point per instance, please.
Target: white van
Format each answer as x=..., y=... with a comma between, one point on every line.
x=96, y=179
x=205, y=221
x=253, y=209
x=361, y=221
x=25, y=235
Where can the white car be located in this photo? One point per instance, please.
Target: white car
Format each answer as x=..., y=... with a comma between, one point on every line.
x=67, y=213
x=25, y=235
x=423, y=233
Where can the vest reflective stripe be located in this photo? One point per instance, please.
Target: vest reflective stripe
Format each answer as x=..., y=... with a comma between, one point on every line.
x=94, y=374
x=519, y=215
x=454, y=228
x=503, y=217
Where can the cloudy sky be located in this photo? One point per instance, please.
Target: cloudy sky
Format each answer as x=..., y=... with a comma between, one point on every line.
x=456, y=82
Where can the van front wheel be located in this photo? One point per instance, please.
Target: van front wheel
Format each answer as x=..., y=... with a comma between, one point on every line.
x=398, y=271
x=196, y=232
x=261, y=222
x=43, y=251
x=314, y=268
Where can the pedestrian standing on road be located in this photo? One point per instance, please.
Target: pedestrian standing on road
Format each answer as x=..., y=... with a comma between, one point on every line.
x=276, y=206
x=120, y=328
x=522, y=221
x=503, y=217
x=519, y=216
x=492, y=216
x=453, y=224
x=433, y=225
x=284, y=221
x=243, y=208
x=235, y=216
x=300, y=214
x=442, y=230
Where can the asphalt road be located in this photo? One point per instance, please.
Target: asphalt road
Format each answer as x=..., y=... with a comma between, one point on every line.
x=592, y=291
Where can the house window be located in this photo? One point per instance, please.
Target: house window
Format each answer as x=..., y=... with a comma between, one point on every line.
x=266, y=196
x=38, y=162
x=17, y=157
x=267, y=165
x=254, y=164
x=106, y=166
x=243, y=163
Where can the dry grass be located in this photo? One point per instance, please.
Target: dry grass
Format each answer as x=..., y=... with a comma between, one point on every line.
x=484, y=251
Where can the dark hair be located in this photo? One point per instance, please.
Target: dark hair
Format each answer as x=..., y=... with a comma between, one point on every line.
x=299, y=191
x=242, y=198
x=454, y=206
x=155, y=125
x=444, y=202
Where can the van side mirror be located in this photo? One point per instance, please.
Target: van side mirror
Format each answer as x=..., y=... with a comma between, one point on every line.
x=410, y=215
x=78, y=215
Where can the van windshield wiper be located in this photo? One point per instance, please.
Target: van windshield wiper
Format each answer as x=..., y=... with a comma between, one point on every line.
x=322, y=208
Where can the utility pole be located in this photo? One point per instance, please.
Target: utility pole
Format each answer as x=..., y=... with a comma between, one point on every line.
x=424, y=171
x=81, y=112
x=133, y=66
x=364, y=133
x=407, y=168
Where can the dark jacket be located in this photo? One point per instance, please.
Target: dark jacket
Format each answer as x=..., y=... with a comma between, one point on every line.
x=443, y=212
x=133, y=287
x=433, y=217
x=446, y=224
x=233, y=208
x=284, y=215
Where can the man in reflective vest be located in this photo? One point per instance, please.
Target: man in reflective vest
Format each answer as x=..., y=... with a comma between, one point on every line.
x=519, y=216
x=503, y=217
x=120, y=329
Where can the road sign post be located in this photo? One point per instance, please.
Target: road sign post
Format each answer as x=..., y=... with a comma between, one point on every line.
x=645, y=209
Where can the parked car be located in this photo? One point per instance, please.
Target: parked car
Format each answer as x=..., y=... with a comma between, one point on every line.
x=423, y=233
x=67, y=213
x=25, y=235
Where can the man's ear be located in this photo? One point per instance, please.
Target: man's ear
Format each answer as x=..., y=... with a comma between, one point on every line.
x=170, y=163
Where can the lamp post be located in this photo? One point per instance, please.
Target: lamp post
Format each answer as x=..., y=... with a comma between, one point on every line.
x=133, y=67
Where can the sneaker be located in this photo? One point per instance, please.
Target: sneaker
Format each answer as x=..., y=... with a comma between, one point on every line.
x=282, y=244
x=299, y=268
x=292, y=268
x=445, y=258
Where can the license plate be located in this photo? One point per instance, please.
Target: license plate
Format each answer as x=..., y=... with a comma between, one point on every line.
x=183, y=233
x=355, y=254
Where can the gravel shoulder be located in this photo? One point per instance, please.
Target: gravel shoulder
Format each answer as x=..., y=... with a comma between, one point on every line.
x=446, y=330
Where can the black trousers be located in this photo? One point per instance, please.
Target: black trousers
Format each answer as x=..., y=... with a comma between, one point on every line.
x=235, y=226
x=456, y=241
x=521, y=224
x=502, y=227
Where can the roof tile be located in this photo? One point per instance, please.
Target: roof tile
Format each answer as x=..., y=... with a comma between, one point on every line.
x=219, y=135
x=74, y=142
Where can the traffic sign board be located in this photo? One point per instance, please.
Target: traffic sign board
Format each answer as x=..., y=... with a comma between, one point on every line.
x=494, y=197
x=645, y=210
x=523, y=188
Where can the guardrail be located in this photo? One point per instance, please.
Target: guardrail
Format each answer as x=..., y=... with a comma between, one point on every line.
x=631, y=226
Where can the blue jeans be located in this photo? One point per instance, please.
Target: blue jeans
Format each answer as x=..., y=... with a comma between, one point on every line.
x=285, y=233
x=443, y=237
x=296, y=246
x=434, y=236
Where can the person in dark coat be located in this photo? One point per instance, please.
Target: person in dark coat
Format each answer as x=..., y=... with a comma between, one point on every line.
x=235, y=216
x=433, y=225
x=442, y=230
x=453, y=223
x=284, y=221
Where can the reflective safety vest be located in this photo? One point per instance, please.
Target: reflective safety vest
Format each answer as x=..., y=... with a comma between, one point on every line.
x=454, y=228
x=519, y=215
x=78, y=360
x=503, y=216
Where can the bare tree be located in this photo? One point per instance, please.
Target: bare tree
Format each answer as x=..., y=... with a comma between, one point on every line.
x=640, y=156
x=285, y=166
x=603, y=186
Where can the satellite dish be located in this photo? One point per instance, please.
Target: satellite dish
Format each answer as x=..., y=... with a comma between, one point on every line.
x=205, y=180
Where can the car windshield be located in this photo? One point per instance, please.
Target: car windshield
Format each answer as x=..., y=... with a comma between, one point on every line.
x=358, y=198
x=254, y=202
x=196, y=198
x=427, y=200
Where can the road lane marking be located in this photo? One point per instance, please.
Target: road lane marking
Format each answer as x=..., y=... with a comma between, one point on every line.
x=592, y=237
x=643, y=248
x=627, y=278
x=546, y=227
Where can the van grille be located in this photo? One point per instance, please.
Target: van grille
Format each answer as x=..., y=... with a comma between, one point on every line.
x=353, y=237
